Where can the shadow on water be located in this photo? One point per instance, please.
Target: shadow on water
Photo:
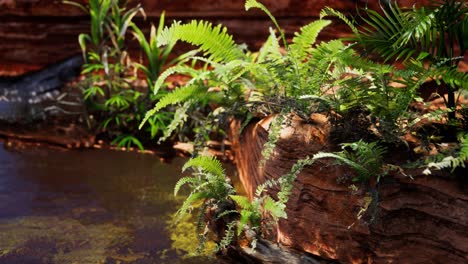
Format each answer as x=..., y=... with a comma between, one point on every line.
x=93, y=206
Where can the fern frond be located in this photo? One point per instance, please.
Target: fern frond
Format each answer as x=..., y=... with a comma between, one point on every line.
x=208, y=164
x=255, y=4
x=303, y=41
x=328, y=11
x=192, y=198
x=270, y=49
x=360, y=169
x=273, y=136
x=213, y=40
x=242, y=201
x=267, y=184
x=275, y=208
x=228, y=212
x=455, y=78
x=227, y=238
x=179, y=95
x=184, y=181
x=451, y=161
x=178, y=69
x=244, y=219
x=180, y=116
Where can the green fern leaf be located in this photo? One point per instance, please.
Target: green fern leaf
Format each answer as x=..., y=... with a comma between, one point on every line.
x=302, y=42
x=191, y=199
x=213, y=40
x=245, y=217
x=275, y=209
x=327, y=11
x=179, y=95
x=242, y=201
x=270, y=49
x=360, y=169
x=207, y=164
x=184, y=181
x=178, y=69
x=255, y=4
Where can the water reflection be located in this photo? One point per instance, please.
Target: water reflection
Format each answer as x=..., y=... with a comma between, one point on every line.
x=90, y=207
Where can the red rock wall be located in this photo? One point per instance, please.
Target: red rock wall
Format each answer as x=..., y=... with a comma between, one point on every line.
x=37, y=32
x=424, y=220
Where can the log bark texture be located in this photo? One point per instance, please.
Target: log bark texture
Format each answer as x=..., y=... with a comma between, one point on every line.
x=424, y=220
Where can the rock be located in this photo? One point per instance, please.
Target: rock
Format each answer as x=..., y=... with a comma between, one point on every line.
x=34, y=31
x=22, y=97
x=424, y=220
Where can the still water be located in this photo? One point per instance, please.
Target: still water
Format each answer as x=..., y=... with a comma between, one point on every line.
x=93, y=206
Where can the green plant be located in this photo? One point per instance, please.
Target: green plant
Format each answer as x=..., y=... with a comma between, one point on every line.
x=430, y=33
x=209, y=190
x=451, y=160
x=108, y=69
x=238, y=81
x=365, y=158
x=109, y=91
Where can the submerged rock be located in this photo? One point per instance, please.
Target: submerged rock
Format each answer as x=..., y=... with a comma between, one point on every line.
x=22, y=98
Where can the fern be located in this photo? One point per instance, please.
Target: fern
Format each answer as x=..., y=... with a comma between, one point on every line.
x=207, y=164
x=273, y=136
x=214, y=41
x=188, y=202
x=255, y=4
x=286, y=181
x=178, y=69
x=365, y=158
x=451, y=162
x=303, y=41
x=179, y=95
x=183, y=181
x=180, y=116
x=270, y=183
x=242, y=201
x=270, y=49
x=275, y=208
x=328, y=11
x=227, y=238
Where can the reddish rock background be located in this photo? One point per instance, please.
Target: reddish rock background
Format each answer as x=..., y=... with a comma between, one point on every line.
x=34, y=33
x=424, y=220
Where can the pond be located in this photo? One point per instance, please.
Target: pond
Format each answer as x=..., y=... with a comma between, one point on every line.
x=91, y=206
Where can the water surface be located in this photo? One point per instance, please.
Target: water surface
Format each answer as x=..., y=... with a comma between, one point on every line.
x=93, y=206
